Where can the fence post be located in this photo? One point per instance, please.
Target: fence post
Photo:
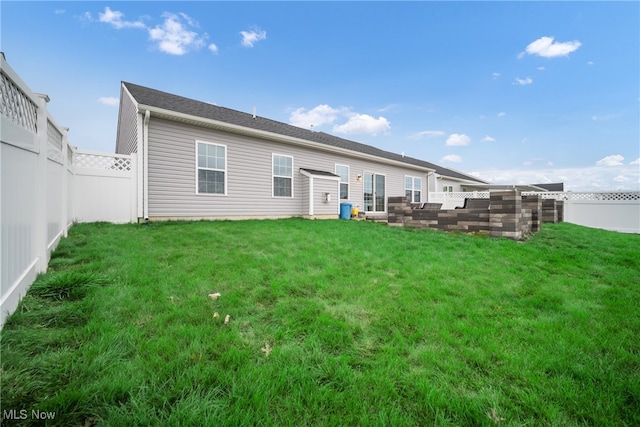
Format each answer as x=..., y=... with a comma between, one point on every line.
x=65, y=186
x=133, y=201
x=41, y=232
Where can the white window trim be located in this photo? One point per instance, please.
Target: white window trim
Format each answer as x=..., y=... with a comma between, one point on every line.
x=226, y=175
x=273, y=155
x=374, y=191
x=413, y=188
x=348, y=180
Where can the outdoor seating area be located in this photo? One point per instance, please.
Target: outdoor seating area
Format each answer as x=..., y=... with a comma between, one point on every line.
x=474, y=204
x=504, y=214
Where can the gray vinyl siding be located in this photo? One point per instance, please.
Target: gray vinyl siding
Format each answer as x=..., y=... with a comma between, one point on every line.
x=321, y=186
x=127, y=139
x=304, y=194
x=172, y=175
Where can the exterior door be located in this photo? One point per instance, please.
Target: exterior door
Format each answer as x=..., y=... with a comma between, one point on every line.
x=374, y=192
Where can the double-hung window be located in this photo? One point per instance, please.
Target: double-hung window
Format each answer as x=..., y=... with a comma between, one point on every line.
x=343, y=172
x=211, y=161
x=282, y=176
x=413, y=188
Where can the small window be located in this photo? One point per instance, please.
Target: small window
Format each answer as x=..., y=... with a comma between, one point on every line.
x=343, y=172
x=413, y=188
x=211, y=168
x=282, y=176
x=447, y=188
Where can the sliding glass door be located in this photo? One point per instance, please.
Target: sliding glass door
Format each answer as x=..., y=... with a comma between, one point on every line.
x=374, y=192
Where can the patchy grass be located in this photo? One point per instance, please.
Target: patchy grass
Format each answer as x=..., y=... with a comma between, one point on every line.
x=331, y=323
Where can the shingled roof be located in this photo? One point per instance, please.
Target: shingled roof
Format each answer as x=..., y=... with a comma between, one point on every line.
x=167, y=101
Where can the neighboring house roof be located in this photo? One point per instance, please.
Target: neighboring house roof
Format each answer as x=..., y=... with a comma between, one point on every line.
x=495, y=187
x=555, y=186
x=457, y=175
x=154, y=98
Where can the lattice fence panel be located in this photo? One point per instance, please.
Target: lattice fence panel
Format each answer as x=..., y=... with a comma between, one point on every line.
x=54, y=137
x=558, y=195
x=55, y=154
x=621, y=196
x=103, y=162
x=457, y=195
x=588, y=195
x=16, y=105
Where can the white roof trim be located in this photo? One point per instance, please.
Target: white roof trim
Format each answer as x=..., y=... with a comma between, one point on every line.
x=319, y=176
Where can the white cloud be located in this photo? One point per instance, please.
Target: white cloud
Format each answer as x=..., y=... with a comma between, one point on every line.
x=547, y=48
x=540, y=68
x=115, y=19
x=501, y=114
x=487, y=138
x=451, y=158
x=495, y=76
x=363, y=124
x=388, y=108
x=109, y=100
x=635, y=162
x=613, y=160
x=173, y=36
x=317, y=116
x=253, y=36
x=324, y=114
x=523, y=82
x=590, y=63
x=85, y=17
x=59, y=11
x=458, y=139
x=427, y=134
x=620, y=178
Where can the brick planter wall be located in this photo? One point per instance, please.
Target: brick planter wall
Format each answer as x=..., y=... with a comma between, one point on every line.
x=401, y=214
x=509, y=215
x=560, y=210
x=505, y=217
x=533, y=203
x=549, y=211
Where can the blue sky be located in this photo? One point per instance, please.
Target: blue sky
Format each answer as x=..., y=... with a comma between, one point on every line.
x=513, y=92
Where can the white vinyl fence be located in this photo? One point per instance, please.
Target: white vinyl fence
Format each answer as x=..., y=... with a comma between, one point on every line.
x=615, y=211
x=46, y=185
x=105, y=187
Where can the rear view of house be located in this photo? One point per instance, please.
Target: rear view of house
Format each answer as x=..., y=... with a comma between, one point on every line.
x=198, y=160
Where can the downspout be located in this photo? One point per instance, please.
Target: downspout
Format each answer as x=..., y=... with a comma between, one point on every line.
x=429, y=175
x=145, y=166
x=310, y=196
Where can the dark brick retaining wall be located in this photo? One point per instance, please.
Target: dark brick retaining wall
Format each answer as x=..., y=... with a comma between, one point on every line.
x=509, y=215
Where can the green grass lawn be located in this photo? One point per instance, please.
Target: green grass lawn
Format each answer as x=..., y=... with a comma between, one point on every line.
x=331, y=323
